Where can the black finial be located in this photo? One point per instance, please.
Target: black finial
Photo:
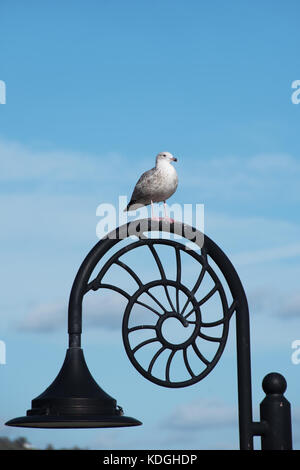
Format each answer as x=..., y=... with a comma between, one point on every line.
x=274, y=383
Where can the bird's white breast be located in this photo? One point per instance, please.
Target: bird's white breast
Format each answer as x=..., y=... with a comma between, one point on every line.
x=167, y=181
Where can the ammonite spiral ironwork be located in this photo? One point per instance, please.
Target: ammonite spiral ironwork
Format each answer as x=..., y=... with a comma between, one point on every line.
x=184, y=308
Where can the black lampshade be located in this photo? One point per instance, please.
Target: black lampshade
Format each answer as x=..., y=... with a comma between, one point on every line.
x=74, y=400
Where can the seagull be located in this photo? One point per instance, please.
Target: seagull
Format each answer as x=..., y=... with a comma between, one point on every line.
x=155, y=185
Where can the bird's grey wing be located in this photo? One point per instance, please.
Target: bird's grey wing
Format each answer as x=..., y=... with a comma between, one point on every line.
x=143, y=187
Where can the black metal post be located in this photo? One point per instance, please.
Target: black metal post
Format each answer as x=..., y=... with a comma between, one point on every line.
x=242, y=342
x=275, y=414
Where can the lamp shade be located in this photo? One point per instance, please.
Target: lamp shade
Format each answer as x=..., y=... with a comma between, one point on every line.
x=74, y=400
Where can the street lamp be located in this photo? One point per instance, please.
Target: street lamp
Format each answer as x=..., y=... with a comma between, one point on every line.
x=74, y=400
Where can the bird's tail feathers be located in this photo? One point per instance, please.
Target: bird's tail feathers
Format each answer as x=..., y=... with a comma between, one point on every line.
x=128, y=206
x=133, y=205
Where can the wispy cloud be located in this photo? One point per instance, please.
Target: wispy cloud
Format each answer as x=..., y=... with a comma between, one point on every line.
x=101, y=312
x=110, y=440
x=259, y=177
x=240, y=175
x=264, y=300
x=266, y=255
x=200, y=414
x=24, y=163
x=44, y=318
x=290, y=307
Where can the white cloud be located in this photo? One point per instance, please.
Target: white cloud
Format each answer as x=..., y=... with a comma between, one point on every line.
x=274, y=162
x=256, y=233
x=109, y=440
x=201, y=413
x=45, y=318
x=270, y=179
x=290, y=306
x=98, y=311
x=260, y=177
x=22, y=163
x=265, y=255
x=269, y=301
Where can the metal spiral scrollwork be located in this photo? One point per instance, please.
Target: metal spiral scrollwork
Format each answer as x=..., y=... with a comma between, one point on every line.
x=182, y=361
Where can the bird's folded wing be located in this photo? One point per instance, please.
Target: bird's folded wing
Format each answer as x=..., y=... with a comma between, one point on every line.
x=145, y=186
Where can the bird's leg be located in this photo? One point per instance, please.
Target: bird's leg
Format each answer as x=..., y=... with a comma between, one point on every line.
x=165, y=210
x=152, y=212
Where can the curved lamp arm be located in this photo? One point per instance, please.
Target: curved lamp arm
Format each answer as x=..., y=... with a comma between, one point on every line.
x=209, y=248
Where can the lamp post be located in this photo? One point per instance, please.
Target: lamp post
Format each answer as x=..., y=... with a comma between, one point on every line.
x=75, y=400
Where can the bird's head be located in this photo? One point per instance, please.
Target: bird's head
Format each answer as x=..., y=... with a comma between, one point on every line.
x=165, y=157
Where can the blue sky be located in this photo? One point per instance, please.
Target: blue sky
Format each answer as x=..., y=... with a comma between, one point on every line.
x=94, y=91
